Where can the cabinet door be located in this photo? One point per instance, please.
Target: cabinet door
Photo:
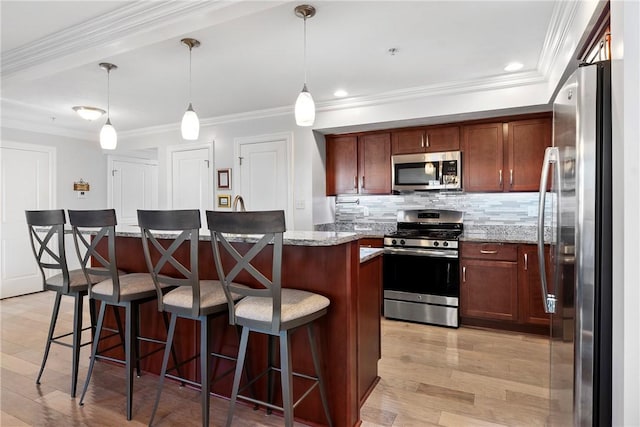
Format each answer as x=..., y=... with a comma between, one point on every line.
x=374, y=163
x=408, y=141
x=489, y=290
x=483, y=157
x=531, y=304
x=526, y=143
x=443, y=139
x=342, y=165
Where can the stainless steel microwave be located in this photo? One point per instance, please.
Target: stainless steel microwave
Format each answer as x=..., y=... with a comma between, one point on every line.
x=427, y=171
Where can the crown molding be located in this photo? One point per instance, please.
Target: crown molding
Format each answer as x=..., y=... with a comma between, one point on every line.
x=449, y=88
x=560, y=24
x=101, y=31
x=48, y=129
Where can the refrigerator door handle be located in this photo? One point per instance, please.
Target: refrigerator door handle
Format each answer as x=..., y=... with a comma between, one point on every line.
x=551, y=156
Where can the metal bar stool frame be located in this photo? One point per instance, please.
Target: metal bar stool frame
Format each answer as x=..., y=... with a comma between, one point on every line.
x=100, y=224
x=67, y=283
x=271, y=225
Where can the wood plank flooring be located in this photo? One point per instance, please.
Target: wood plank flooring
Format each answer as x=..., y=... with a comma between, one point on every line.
x=429, y=376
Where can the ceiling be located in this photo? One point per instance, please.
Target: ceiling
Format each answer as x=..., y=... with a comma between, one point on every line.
x=251, y=56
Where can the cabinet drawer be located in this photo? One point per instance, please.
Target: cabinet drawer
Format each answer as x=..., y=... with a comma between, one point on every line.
x=490, y=251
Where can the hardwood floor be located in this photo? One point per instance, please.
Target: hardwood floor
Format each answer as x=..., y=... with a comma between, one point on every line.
x=429, y=376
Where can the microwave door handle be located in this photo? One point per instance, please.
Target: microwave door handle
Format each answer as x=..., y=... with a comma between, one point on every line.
x=550, y=157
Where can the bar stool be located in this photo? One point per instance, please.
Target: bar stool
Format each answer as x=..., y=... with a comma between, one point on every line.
x=193, y=298
x=66, y=283
x=272, y=310
x=128, y=291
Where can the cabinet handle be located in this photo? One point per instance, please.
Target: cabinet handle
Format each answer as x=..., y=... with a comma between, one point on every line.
x=526, y=262
x=464, y=274
x=422, y=141
x=362, y=182
x=355, y=182
x=511, y=177
x=482, y=251
x=427, y=141
x=500, y=174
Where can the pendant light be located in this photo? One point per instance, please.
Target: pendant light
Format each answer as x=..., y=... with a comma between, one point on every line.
x=305, y=109
x=190, y=126
x=108, y=136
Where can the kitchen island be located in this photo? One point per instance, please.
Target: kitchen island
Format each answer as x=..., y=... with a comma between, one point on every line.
x=328, y=263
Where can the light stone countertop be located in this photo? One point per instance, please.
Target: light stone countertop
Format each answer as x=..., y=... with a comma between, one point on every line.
x=292, y=238
x=367, y=254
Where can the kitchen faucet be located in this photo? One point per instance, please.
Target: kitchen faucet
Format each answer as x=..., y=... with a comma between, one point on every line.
x=240, y=200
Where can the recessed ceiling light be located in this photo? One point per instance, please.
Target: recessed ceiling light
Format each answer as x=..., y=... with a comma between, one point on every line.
x=513, y=66
x=340, y=93
x=88, y=113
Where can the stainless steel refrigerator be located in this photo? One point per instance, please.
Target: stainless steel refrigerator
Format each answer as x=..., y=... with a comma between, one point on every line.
x=578, y=209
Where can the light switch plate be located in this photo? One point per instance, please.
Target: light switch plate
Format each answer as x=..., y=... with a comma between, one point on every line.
x=300, y=204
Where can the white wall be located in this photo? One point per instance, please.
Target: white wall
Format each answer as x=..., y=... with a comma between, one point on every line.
x=76, y=159
x=625, y=31
x=306, y=156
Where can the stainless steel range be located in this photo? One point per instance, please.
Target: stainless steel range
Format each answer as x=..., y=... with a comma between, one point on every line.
x=421, y=267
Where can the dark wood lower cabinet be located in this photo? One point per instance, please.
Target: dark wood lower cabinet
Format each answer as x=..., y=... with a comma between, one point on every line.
x=500, y=287
x=489, y=289
x=369, y=314
x=531, y=305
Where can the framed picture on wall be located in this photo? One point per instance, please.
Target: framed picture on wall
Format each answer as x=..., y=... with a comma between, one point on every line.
x=224, y=201
x=224, y=179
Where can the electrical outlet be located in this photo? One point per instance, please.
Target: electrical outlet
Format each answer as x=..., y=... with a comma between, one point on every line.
x=300, y=204
x=82, y=194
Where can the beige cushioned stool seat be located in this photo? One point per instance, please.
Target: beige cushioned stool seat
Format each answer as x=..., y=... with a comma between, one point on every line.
x=295, y=304
x=77, y=280
x=130, y=284
x=211, y=294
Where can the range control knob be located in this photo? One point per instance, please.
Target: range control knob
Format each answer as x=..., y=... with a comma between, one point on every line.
x=402, y=242
x=394, y=241
x=436, y=244
x=445, y=243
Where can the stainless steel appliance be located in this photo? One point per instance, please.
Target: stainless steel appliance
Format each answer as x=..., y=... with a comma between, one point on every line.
x=579, y=296
x=427, y=171
x=421, y=267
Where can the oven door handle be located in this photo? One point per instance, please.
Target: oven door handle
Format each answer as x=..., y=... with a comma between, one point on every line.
x=433, y=253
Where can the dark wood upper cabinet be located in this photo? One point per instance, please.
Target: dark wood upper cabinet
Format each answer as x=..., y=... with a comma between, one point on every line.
x=482, y=157
x=432, y=139
x=505, y=156
x=342, y=165
x=359, y=164
x=526, y=144
x=374, y=163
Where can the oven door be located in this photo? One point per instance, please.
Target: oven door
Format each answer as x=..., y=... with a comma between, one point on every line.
x=424, y=272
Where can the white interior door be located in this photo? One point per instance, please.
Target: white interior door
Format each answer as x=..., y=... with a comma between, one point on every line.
x=264, y=174
x=27, y=183
x=191, y=179
x=134, y=185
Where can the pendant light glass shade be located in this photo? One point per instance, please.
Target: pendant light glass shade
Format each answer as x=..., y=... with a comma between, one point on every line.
x=305, y=108
x=108, y=136
x=190, y=126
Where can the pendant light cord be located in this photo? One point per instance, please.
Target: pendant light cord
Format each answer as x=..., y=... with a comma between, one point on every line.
x=190, y=74
x=108, y=93
x=305, y=50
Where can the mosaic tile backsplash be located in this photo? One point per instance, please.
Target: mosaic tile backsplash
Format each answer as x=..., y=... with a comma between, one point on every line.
x=481, y=209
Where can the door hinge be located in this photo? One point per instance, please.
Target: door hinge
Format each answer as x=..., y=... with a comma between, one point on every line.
x=207, y=162
x=240, y=159
x=113, y=172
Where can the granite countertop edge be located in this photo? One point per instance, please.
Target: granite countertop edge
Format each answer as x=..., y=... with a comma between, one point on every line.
x=290, y=238
x=367, y=254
